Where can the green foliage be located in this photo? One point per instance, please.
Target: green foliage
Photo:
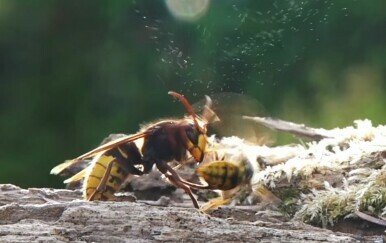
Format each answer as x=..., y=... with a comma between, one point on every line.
x=372, y=198
x=289, y=204
x=73, y=71
x=327, y=208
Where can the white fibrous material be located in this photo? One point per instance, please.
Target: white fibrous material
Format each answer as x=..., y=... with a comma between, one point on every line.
x=325, y=181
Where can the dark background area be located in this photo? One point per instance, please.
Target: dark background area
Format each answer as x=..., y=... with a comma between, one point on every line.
x=72, y=72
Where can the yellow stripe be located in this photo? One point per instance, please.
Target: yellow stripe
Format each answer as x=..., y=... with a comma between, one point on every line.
x=95, y=175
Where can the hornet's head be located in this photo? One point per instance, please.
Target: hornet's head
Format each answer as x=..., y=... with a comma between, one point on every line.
x=195, y=140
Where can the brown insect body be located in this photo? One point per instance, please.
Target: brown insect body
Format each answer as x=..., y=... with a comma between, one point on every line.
x=163, y=142
x=167, y=141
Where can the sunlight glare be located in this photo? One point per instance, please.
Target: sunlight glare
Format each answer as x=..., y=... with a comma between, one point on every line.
x=187, y=10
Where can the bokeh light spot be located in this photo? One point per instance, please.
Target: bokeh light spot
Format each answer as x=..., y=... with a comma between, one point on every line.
x=188, y=10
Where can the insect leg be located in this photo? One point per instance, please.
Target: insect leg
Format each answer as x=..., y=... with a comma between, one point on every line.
x=176, y=180
x=214, y=203
x=182, y=181
x=183, y=187
x=102, y=185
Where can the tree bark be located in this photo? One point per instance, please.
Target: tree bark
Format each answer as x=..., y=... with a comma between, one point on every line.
x=52, y=215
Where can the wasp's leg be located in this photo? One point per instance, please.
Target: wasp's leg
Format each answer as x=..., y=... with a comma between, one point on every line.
x=181, y=180
x=176, y=180
x=102, y=184
x=225, y=199
x=91, y=197
x=122, y=165
x=183, y=187
x=214, y=203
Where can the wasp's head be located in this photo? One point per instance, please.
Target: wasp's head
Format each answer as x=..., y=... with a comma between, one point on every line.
x=195, y=140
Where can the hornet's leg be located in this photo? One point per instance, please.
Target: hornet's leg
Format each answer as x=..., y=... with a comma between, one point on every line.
x=185, y=188
x=214, y=203
x=182, y=181
x=102, y=184
x=176, y=180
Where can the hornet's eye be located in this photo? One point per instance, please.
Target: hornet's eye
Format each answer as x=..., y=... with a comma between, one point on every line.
x=192, y=135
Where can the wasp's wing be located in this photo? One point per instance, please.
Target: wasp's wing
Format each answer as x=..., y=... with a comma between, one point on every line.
x=61, y=167
x=112, y=144
x=83, y=173
x=77, y=177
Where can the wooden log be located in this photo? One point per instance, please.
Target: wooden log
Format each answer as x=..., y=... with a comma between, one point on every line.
x=51, y=215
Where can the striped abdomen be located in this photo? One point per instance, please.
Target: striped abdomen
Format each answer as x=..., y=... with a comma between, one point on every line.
x=223, y=175
x=122, y=160
x=94, y=177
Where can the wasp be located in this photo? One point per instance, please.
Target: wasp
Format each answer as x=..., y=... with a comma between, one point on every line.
x=233, y=171
x=155, y=144
x=227, y=175
x=102, y=161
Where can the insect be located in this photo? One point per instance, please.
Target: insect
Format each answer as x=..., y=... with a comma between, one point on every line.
x=94, y=172
x=233, y=171
x=155, y=144
x=226, y=175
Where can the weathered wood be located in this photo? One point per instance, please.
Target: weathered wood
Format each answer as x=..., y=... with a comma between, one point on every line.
x=329, y=183
x=49, y=215
x=299, y=130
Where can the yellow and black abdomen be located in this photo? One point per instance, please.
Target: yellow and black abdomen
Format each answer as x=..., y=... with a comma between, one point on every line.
x=93, y=178
x=224, y=175
x=120, y=162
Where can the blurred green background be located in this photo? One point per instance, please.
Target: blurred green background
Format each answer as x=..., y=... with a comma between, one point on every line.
x=74, y=71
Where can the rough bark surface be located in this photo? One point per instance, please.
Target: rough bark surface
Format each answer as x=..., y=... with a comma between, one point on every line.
x=51, y=215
